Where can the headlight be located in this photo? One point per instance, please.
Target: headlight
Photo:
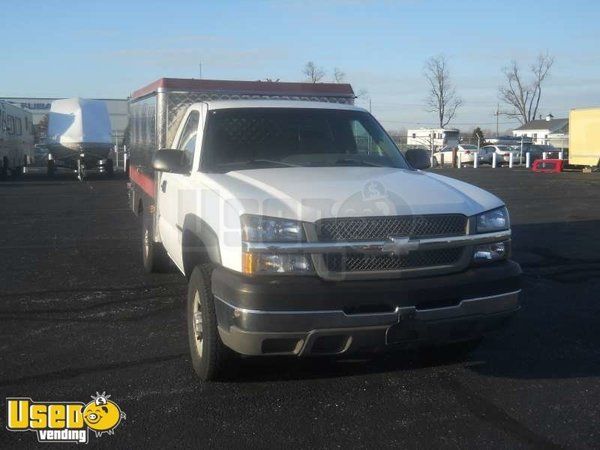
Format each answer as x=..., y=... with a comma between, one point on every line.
x=270, y=229
x=273, y=230
x=273, y=263
x=494, y=220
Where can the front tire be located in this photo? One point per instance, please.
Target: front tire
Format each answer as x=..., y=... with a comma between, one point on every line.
x=211, y=359
x=154, y=255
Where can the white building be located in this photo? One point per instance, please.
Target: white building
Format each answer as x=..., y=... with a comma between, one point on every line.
x=433, y=138
x=548, y=131
x=118, y=110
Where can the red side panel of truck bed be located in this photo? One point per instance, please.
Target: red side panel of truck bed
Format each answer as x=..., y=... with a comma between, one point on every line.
x=144, y=181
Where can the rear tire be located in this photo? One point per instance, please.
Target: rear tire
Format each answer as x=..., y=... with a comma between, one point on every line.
x=211, y=359
x=154, y=255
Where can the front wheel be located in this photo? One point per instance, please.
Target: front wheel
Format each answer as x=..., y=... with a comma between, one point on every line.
x=211, y=359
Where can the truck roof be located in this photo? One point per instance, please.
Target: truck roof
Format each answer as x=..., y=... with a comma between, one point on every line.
x=341, y=90
x=259, y=103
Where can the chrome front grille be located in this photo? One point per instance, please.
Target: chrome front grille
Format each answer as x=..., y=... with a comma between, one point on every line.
x=355, y=262
x=357, y=229
x=381, y=228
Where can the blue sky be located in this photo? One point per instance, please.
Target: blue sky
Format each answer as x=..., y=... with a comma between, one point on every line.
x=110, y=48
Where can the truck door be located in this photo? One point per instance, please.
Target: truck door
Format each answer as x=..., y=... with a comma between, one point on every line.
x=175, y=192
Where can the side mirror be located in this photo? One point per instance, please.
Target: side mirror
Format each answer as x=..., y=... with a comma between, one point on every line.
x=418, y=159
x=171, y=161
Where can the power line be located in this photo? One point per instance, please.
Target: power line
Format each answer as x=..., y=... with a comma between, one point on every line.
x=452, y=123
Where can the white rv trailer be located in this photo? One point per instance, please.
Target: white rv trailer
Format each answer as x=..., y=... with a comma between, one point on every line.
x=16, y=139
x=433, y=138
x=79, y=136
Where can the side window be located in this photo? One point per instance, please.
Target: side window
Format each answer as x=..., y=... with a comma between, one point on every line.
x=187, y=142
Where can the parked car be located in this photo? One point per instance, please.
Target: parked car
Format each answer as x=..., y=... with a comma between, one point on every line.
x=303, y=230
x=537, y=151
x=484, y=155
x=503, y=153
x=466, y=152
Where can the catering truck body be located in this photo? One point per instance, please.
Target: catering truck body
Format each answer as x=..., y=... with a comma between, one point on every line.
x=584, y=137
x=16, y=139
x=303, y=230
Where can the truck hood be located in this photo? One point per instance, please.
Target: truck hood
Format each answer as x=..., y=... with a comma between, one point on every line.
x=310, y=194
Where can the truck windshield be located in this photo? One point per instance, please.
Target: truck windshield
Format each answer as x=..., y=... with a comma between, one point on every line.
x=252, y=138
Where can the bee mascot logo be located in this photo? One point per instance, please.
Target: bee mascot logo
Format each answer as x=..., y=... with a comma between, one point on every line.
x=64, y=421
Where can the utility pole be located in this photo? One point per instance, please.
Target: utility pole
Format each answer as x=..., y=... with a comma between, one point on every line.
x=370, y=109
x=200, y=70
x=497, y=116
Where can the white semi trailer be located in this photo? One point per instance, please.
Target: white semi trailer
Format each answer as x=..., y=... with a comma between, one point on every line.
x=79, y=136
x=16, y=139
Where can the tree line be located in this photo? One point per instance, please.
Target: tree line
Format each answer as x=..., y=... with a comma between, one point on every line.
x=521, y=91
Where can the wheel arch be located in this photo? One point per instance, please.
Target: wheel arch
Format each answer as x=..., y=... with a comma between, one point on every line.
x=200, y=244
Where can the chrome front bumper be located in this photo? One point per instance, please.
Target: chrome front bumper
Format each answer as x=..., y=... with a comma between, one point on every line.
x=319, y=332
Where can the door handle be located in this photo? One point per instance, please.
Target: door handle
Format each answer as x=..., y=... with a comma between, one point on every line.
x=163, y=186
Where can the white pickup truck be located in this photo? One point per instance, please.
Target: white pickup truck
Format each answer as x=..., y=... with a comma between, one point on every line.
x=303, y=230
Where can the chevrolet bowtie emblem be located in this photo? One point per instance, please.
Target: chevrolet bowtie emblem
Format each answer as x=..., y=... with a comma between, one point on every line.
x=400, y=246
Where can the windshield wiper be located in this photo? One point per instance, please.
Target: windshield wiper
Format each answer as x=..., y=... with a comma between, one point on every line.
x=358, y=162
x=252, y=162
x=270, y=161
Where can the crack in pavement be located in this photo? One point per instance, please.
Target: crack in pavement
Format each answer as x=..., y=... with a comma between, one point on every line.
x=72, y=372
x=91, y=290
x=119, y=301
x=487, y=411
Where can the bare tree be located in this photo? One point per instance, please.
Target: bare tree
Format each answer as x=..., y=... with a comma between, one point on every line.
x=524, y=97
x=313, y=73
x=442, y=98
x=338, y=75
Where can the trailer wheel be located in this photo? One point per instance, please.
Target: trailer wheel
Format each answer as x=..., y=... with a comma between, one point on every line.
x=210, y=357
x=81, y=170
x=110, y=168
x=3, y=173
x=4, y=169
x=50, y=168
x=154, y=255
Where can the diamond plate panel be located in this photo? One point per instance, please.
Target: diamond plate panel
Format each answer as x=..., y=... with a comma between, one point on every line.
x=371, y=263
x=381, y=228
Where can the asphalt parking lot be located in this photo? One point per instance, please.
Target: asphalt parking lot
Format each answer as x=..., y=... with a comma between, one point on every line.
x=78, y=315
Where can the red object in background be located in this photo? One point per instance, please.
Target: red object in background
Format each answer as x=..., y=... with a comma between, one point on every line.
x=548, y=165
